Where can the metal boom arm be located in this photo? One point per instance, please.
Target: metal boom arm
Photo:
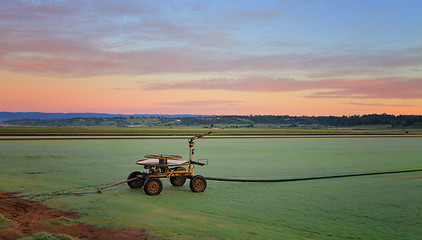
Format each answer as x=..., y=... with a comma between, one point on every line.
x=191, y=145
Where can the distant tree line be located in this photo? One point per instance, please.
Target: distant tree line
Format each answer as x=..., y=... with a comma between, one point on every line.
x=234, y=120
x=92, y=121
x=327, y=121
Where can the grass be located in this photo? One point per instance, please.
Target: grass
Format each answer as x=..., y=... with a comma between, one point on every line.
x=48, y=236
x=3, y=221
x=60, y=221
x=370, y=207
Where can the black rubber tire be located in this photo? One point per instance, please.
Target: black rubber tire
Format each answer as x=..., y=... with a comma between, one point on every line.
x=136, y=183
x=198, y=183
x=178, y=181
x=153, y=186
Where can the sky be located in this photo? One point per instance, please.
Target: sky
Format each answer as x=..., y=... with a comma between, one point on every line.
x=302, y=57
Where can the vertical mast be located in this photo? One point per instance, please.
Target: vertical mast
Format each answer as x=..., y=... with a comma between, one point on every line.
x=191, y=149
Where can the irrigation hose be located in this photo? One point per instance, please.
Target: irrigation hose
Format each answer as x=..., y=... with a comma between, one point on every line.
x=49, y=195
x=232, y=180
x=310, y=178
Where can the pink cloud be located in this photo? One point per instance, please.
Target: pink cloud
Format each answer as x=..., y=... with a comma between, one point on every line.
x=332, y=88
x=376, y=88
x=82, y=53
x=246, y=84
x=380, y=105
x=96, y=38
x=203, y=103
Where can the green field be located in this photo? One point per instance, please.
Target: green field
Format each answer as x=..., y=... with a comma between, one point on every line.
x=370, y=207
x=188, y=131
x=3, y=221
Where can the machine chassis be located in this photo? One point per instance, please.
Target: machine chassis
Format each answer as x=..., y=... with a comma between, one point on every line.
x=168, y=167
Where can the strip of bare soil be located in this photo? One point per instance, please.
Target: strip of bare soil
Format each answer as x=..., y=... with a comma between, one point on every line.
x=27, y=218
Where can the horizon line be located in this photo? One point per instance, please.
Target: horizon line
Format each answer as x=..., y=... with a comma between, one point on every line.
x=213, y=115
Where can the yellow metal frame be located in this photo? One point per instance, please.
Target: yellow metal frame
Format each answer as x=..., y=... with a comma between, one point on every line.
x=166, y=170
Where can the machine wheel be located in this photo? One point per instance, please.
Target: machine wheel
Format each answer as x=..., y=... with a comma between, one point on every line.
x=178, y=181
x=153, y=186
x=198, y=183
x=135, y=183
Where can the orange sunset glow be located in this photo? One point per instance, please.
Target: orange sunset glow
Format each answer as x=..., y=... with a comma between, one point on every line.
x=271, y=57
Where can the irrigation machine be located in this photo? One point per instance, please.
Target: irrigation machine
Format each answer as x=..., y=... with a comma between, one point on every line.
x=162, y=166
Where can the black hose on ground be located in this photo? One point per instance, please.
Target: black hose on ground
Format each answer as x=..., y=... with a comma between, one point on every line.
x=237, y=180
x=310, y=178
x=53, y=194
